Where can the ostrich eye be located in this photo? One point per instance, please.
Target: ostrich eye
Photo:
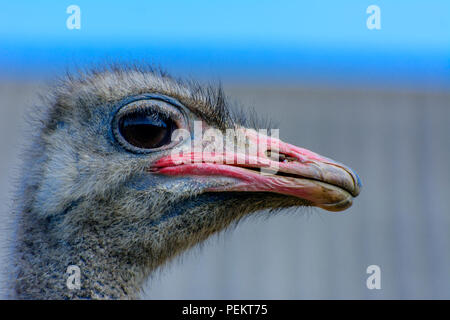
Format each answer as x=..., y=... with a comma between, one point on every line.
x=147, y=125
x=146, y=131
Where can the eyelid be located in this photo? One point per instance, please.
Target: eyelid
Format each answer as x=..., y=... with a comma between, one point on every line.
x=151, y=106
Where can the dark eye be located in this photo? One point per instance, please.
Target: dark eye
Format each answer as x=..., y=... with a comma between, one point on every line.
x=146, y=131
x=146, y=125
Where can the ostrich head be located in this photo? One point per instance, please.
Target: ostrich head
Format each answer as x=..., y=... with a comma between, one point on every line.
x=114, y=183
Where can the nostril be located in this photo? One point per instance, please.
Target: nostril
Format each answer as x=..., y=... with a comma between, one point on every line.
x=281, y=156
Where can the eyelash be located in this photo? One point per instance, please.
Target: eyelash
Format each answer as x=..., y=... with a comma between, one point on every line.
x=153, y=109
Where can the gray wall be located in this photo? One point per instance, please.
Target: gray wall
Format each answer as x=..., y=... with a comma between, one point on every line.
x=398, y=141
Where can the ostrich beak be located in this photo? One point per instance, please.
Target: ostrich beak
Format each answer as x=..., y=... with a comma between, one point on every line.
x=294, y=171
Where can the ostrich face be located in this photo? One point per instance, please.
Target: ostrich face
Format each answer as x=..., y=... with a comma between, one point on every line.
x=112, y=165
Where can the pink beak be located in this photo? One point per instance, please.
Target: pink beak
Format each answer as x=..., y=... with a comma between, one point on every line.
x=300, y=173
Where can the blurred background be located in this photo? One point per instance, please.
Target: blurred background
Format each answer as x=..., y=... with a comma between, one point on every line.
x=377, y=100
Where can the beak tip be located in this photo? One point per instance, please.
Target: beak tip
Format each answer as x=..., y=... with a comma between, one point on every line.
x=340, y=206
x=358, y=184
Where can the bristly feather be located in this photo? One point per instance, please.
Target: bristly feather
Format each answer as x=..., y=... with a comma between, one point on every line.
x=88, y=87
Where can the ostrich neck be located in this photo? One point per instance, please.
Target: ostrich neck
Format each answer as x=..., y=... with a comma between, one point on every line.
x=44, y=252
x=115, y=250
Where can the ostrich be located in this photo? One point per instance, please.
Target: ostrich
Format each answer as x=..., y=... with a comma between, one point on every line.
x=108, y=189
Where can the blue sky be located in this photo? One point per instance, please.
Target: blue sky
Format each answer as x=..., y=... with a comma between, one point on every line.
x=276, y=34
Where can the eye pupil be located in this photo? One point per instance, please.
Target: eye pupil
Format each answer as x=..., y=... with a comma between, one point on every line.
x=146, y=131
